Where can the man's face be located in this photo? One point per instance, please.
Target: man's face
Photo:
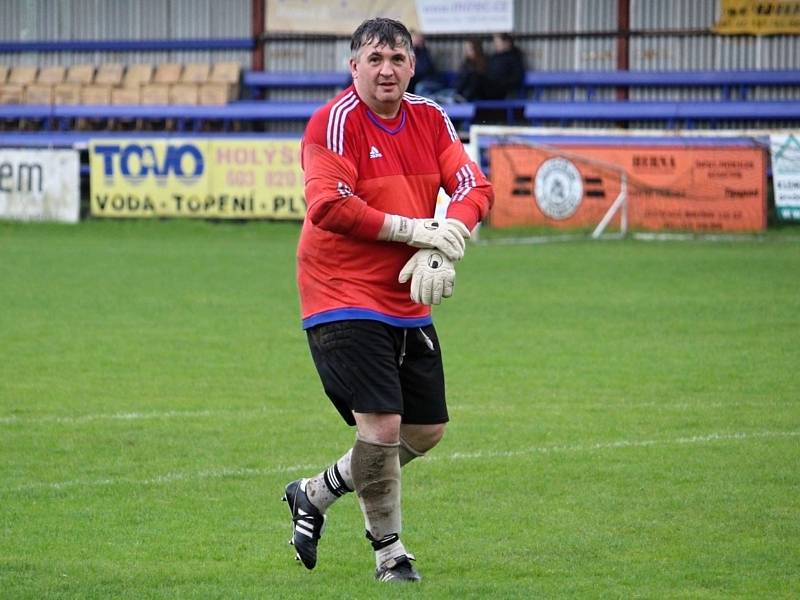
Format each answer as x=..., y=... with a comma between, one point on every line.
x=500, y=44
x=381, y=75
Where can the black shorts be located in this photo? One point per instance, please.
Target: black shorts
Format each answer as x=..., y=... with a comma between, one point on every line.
x=371, y=367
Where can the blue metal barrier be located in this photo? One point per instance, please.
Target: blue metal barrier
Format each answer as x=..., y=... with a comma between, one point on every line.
x=130, y=45
x=62, y=117
x=538, y=81
x=295, y=79
x=192, y=118
x=671, y=112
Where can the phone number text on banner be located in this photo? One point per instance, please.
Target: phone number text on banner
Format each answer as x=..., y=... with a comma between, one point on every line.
x=200, y=178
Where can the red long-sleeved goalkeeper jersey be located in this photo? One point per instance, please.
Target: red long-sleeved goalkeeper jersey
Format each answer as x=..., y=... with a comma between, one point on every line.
x=358, y=167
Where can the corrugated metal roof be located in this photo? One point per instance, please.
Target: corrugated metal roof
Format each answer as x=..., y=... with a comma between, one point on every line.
x=78, y=20
x=673, y=14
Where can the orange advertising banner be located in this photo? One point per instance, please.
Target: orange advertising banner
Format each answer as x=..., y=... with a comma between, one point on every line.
x=688, y=188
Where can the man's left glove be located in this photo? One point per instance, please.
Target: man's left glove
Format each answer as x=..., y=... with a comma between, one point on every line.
x=432, y=276
x=448, y=235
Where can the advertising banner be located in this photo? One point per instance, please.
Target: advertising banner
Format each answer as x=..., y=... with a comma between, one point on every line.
x=758, y=17
x=785, y=150
x=691, y=188
x=341, y=17
x=477, y=16
x=428, y=16
x=40, y=185
x=202, y=178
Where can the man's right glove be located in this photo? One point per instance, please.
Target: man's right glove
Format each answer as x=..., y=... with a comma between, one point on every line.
x=432, y=276
x=448, y=235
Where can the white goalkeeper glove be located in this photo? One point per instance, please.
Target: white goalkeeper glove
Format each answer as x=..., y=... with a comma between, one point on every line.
x=432, y=276
x=448, y=235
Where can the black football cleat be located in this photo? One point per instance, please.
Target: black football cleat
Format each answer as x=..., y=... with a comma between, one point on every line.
x=307, y=523
x=398, y=569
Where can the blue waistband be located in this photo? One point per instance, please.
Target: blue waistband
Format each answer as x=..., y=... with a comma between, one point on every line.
x=346, y=314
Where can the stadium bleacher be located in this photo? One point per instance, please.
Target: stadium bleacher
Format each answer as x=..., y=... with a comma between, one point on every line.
x=193, y=94
x=88, y=97
x=193, y=83
x=728, y=82
x=732, y=84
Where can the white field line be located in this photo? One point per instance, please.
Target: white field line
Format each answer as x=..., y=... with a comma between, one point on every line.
x=142, y=416
x=268, y=412
x=638, y=236
x=697, y=439
x=623, y=405
x=177, y=477
x=167, y=478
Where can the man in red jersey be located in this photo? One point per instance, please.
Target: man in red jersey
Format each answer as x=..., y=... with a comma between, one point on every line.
x=370, y=263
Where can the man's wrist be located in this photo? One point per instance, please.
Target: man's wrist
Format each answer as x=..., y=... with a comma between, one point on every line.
x=397, y=228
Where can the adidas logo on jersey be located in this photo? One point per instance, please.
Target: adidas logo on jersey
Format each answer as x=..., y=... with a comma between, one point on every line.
x=375, y=153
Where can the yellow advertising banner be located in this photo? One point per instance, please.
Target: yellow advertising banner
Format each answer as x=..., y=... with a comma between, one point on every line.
x=201, y=178
x=342, y=17
x=758, y=17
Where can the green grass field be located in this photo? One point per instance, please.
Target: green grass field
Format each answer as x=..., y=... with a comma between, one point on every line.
x=625, y=421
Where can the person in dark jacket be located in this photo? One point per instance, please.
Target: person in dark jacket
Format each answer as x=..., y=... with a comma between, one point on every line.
x=427, y=79
x=506, y=69
x=470, y=82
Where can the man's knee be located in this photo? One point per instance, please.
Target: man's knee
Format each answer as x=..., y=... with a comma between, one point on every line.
x=421, y=438
x=379, y=428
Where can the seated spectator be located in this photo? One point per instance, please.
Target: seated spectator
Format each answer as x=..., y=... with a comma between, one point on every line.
x=470, y=83
x=505, y=73
x=426, y=79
